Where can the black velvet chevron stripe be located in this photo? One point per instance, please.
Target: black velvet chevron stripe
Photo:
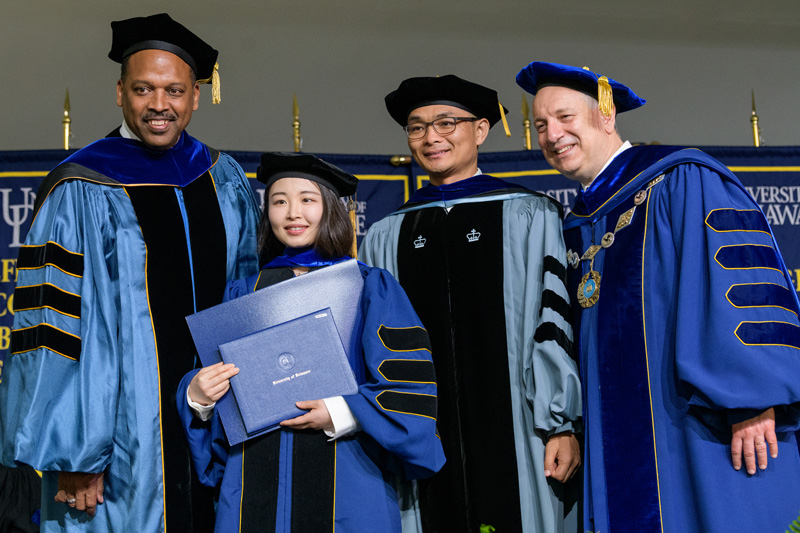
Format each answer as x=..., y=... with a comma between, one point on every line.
x=408, y=370
x=47, y=295
x=548, y=331
x=53, y=254
x=555, y=302
x=554, y=266
x=747, y=256
x=408, y=403
x=737, y=220
x=761, y=295
x=46, y=336
x=769, y=334
x=404, y=339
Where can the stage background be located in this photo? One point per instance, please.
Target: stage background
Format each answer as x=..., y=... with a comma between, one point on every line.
x=772, y=175
x=694, y=61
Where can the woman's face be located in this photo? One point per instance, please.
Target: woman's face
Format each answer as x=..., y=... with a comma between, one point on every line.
x=295, y=211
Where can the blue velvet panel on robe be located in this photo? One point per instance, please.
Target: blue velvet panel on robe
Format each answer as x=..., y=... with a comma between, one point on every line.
x=665, y=367
x=129, y=162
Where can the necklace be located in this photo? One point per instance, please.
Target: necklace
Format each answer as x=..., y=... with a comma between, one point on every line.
x=589, y=287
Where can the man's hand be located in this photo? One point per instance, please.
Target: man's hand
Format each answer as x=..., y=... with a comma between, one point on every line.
x=752, y=438
x=211, y=382
x=317, y=417
x=562, y=457
x=80, y=490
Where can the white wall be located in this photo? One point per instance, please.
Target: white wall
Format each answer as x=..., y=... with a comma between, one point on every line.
x=695, y=63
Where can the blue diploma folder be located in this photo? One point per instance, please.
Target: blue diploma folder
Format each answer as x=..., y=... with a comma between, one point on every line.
x=302, y=359
x=337, y=287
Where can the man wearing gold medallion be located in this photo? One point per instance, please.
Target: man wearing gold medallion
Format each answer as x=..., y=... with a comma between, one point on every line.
x=686, y=324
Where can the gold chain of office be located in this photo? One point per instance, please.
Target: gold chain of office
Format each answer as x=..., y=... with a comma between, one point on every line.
x=589, y=287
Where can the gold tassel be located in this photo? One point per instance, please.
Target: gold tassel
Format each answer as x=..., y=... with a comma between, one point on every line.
x=503, y=118
x=351, y=208
x=605, y=99
x=215, y=94
x=214, y=81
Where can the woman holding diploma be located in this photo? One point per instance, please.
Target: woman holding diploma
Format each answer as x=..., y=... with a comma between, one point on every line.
x=333, y=467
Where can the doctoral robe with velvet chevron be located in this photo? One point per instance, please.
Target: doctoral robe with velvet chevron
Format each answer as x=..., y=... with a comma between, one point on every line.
x=126, y=242
x=695, y=329
x=291, y=480
x=483, y=264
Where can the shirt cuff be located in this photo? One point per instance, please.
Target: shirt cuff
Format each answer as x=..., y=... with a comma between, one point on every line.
x=344, y=422
x=570, y=426
x=203, y=412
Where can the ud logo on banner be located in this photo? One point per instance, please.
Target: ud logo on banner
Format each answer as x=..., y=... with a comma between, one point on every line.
x=17, y=207
x=15, y=215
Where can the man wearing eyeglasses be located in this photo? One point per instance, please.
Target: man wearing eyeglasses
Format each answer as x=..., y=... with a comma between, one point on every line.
x=483, y=262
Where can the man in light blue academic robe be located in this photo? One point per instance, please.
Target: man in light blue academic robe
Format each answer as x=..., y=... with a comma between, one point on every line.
x=131, y=234
x=483, y=263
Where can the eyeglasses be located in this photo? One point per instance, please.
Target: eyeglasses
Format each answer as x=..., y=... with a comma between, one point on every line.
x=442, y=126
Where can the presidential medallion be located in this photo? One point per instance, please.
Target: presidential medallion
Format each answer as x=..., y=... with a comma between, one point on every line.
x=589, y=289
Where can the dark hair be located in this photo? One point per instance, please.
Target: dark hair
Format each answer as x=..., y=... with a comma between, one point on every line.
x=124, y=70
x=334, y=237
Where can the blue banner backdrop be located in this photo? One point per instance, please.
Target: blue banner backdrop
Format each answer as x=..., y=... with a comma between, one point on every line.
x=772, y=175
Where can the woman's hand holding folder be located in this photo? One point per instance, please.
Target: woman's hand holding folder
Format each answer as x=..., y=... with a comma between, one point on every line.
x=211, y=383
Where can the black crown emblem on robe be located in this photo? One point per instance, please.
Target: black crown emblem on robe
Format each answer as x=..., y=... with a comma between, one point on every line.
x=473, y=235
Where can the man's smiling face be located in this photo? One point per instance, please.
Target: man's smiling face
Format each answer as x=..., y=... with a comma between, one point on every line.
x=451, y=157
x=157, y=97
x=574, y=136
